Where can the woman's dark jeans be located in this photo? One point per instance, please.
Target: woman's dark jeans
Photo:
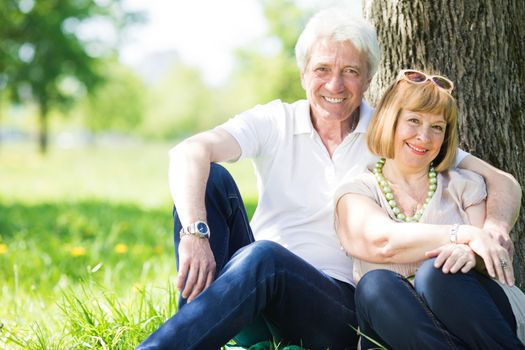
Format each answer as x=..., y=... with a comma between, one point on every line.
x=441, y=311
x=258, y=283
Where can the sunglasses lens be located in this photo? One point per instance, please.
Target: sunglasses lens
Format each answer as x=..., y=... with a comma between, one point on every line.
x=415, y=77
x=442, y=83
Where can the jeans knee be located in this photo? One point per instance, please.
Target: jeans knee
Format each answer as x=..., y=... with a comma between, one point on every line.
x=428, y=277
x=262, y=251
x=373, y=286
x=260, y=257
x=218, y=177
x=375, y=289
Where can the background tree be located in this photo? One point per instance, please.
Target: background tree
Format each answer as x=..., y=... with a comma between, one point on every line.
x=182, y=104
x=53, y=65
x=480, y=46
x=179, y=104
x=266, y=70
x=8, y=56
x=119, y=103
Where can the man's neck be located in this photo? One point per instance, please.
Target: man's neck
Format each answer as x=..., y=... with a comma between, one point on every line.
x=333, y=133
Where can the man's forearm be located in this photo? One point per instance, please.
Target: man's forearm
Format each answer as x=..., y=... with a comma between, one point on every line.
x=503, y=195
x=503, y=202
x=188, y=174
x=190, y=168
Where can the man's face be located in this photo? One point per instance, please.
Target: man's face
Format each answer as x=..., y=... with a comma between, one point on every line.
x=335, y=78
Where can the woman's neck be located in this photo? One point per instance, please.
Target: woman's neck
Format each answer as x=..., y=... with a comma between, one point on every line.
x=396, y=173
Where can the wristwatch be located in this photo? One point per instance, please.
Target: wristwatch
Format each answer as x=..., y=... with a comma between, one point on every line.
x=198, y=228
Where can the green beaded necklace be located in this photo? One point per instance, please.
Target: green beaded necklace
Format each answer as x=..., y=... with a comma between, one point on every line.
x=385, y=187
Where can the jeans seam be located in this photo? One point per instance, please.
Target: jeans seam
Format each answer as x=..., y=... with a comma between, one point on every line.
x=245, y=215
x=425, y=307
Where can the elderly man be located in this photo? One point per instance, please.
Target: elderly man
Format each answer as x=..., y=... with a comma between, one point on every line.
x=289, y=280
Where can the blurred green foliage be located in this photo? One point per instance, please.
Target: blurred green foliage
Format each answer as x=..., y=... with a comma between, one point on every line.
x=179, y=104
x=182, y=104
x=97, y=93
x=45, y=59
x=118, y=104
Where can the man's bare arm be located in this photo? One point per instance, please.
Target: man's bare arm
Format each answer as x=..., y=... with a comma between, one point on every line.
x=188, y=175
x=503, y=200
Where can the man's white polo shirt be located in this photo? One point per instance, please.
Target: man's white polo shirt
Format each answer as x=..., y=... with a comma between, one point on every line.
x=296, y=179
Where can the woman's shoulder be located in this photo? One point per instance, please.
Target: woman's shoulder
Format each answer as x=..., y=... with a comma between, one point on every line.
x=462, y=176
x=363, y=183
x=466, y=186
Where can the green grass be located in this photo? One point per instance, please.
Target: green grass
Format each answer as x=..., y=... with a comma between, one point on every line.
x=86, y=250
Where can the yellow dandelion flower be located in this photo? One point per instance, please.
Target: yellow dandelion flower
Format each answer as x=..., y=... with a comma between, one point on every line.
x=158, y=249
x=77, y=251
x=137, y=287
x=3, y=249
x=121, y=248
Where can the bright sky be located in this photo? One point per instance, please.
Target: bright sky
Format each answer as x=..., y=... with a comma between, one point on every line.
x=202, y=32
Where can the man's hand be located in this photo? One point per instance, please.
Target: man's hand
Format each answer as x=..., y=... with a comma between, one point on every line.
x=453, y=258
x=496, y=258
x=502, y=236
x=197, y=266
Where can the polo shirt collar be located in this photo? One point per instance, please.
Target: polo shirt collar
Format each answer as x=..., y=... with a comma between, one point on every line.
x=365, y=115
x=304, y=125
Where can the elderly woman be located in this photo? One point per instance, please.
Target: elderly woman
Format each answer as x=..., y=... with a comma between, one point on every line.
x=417, y=287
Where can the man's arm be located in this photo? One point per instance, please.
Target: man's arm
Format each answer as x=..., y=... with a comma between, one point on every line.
x=188, y=175
x=503, y=199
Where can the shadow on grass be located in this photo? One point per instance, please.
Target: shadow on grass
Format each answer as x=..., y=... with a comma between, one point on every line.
x=47, y=242
x=90, y=220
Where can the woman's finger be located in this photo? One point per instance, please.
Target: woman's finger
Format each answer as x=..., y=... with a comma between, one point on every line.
x=461, y=261
x=441, y=258
x=471, y=262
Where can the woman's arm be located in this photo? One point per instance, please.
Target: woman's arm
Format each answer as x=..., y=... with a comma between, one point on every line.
x=477, y=214
x=460, y=257
x=368, y=233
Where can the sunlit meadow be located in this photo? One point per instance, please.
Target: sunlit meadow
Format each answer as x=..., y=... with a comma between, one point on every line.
x=86, y=249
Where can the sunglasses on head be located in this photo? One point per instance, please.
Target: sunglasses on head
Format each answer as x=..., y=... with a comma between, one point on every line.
x=417, y=77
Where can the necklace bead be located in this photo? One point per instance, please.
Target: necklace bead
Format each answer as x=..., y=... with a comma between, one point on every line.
x=387, y=191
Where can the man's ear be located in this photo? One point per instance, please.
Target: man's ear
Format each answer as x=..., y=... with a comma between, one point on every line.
x=367, y=84
x=302, y=79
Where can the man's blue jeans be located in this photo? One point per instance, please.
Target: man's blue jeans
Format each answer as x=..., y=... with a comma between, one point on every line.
x=257, y=283
x=441, y=311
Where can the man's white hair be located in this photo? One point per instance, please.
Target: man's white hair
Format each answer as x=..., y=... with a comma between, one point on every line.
x=338, y=24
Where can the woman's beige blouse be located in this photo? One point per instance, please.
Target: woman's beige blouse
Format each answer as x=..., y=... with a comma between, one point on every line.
x=457, y=190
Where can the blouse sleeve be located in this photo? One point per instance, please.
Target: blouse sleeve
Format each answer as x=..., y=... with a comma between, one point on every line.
x=467, y=186
x=363, y=184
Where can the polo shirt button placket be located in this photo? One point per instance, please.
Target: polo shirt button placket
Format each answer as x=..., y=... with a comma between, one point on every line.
x=330, y=172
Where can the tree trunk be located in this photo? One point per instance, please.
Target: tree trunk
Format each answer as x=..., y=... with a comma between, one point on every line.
x=478, y=44
x=43, y=132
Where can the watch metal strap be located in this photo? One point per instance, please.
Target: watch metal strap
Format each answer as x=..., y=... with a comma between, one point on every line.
x=192, y=230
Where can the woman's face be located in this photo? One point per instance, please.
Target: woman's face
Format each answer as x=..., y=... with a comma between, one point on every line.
x=418, y=138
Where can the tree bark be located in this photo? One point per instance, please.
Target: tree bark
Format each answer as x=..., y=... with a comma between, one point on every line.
x=478, y=44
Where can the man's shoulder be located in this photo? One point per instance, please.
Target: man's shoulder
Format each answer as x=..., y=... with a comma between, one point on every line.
x=290, y=108
x=278, y=107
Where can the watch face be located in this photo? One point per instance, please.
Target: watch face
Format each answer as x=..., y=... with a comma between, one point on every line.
x=202, y=227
